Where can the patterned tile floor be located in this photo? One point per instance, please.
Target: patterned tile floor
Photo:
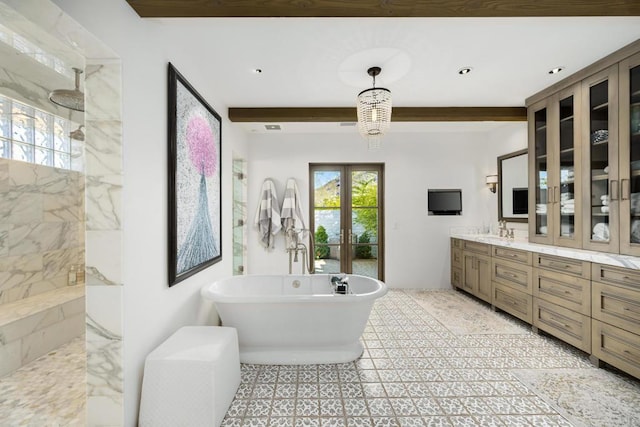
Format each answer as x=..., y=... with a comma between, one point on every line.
x=422, y=366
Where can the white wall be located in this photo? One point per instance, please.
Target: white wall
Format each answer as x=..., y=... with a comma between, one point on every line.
x=417, y=245
x=152, y=310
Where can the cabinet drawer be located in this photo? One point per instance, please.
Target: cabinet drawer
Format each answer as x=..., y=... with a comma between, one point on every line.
x=571, y=327
x=616, y=347
x=514, y=275
x=514, y=255
x=514, y=302
x=479, y=248
x=617, y=306
x=456, y=257
x=565, y=290
x=573, y=267
x=456, y=243
x=616, y=276
x=456, y=277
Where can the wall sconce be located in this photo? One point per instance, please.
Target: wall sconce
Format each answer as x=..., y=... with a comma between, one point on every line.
x=492, y=182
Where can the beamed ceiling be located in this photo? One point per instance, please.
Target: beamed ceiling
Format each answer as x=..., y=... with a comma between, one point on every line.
x=383, y=8
x=389, y=9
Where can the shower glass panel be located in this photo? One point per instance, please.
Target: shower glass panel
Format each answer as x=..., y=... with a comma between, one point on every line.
x=239, y=215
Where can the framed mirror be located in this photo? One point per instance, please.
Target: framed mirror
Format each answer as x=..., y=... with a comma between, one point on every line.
x=513, y=183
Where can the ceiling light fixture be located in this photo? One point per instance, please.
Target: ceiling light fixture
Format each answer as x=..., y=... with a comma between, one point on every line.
x=374, y=111
x=465, y=70
x=556, y=70
x=257, y=70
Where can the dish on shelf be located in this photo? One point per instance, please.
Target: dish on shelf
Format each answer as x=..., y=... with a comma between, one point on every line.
x=599, y=136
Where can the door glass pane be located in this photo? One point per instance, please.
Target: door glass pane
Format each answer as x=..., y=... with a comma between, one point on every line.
x=599, y=148
x=364, y=223
x=635, y=153
x=326, y=196
x=567, y=164
x=540, y=123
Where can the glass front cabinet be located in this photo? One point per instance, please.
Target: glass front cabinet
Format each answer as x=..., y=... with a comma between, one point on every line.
x=629, y=136
x=584, y=162
x=600, y=140
x=554, y=134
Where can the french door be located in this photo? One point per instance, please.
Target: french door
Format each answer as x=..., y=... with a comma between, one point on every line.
x=347, y=203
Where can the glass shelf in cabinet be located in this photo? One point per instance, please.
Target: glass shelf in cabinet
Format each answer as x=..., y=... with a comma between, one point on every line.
x=600, y=106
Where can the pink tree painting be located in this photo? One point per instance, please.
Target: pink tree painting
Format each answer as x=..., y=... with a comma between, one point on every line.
x=199, y=245
x=195, y=218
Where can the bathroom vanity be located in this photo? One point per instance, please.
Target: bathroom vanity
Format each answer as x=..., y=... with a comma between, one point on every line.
x=588, y=299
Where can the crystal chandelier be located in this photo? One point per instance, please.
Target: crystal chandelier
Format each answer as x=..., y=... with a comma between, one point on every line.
x=374, y=111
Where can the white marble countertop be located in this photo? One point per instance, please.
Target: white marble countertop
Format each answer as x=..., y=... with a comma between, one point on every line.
x=583, y=255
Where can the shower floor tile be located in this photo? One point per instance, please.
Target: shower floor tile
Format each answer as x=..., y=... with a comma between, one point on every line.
x=50, y=391
x=423, y=366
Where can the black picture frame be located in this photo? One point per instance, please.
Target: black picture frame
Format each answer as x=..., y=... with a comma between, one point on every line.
x=194, y=180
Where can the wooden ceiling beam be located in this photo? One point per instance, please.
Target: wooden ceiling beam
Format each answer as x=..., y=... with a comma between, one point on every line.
x=382, y=8
x=399, y=114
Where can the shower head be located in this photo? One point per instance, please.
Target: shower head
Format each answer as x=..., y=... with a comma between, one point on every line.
x=67, y=98
x=77, y=134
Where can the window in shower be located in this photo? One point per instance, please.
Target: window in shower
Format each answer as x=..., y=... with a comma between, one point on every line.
x=35, y=136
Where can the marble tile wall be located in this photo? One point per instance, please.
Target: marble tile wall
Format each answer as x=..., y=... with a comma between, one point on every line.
x=41, y=228
x=103, y=163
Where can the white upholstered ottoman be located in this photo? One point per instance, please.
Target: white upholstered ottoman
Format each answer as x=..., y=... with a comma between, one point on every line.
x=191, y=378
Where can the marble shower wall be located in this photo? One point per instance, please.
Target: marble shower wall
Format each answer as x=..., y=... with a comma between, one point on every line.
x=41, y=228
x=103, y=168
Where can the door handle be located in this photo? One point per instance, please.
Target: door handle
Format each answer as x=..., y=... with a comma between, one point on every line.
x=614, y=190
x=624, y=190
x=342, y=237
x=556, y=192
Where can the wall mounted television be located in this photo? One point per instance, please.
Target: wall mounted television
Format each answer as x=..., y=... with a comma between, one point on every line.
x=444, y=202
x=520, y=201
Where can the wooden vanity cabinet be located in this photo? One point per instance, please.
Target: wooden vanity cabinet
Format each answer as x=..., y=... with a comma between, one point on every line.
x=561, y=299
x=476, y=269
x=594, y=307
x=511, y=276
x=456, y=263
x=616, y=317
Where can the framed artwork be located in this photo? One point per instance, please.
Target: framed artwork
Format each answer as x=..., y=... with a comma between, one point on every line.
x=195, y=222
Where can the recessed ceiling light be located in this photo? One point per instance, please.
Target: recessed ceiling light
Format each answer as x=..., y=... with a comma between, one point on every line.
x=465, y=70
x=272, y=127
x=257, y=70
x=556, y=70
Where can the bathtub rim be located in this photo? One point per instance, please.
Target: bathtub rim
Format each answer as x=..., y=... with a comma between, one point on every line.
x=208, y=293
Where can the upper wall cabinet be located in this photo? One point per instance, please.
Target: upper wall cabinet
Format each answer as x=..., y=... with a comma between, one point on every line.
x=600, y=142
x=554, y=140
x=584, y=171
x=629, y=135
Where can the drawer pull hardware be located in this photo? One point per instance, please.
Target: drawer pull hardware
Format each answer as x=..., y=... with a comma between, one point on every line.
x=557, y=265
x=558, y=322
x=631, y=355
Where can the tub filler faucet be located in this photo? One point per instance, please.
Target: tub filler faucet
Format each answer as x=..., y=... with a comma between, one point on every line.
x=340, y=284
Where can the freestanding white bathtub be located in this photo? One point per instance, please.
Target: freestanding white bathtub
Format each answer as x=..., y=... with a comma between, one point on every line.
x=295, y=319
